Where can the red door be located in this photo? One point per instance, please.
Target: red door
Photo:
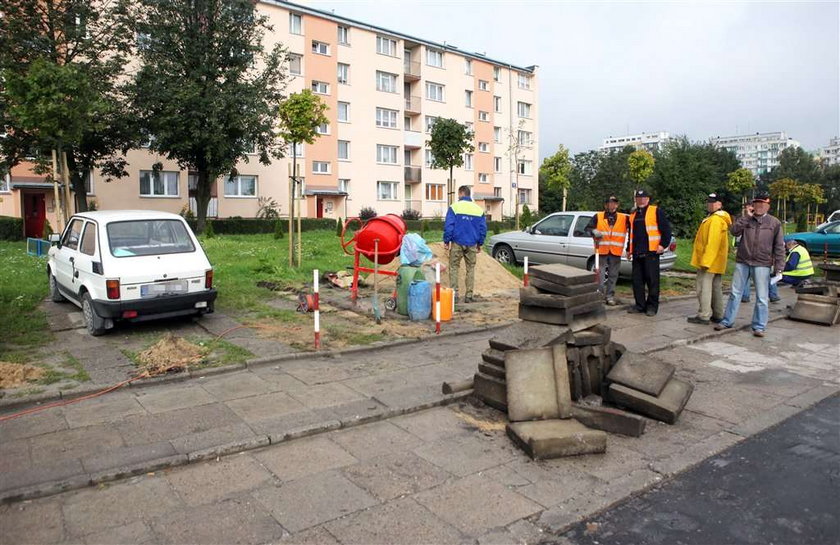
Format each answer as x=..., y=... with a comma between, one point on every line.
x=319, y=207
x=35, y=214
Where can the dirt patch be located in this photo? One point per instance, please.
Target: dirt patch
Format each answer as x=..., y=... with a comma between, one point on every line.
x=169, y=355
x=13, y=375
x=485, y=423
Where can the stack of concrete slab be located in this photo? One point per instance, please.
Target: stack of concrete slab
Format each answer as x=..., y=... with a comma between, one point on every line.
x=819, y=302
x=562, y=295
x=648, y=386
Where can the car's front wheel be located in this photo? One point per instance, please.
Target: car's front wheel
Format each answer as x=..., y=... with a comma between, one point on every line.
x=504, y=254
x=55, y=295
x=93, y=322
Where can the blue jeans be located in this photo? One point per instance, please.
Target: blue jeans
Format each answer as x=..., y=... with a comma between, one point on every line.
x=740, y=282
x=774, y=293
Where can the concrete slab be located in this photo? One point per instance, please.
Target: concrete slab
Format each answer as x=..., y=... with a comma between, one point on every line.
x=641, y=373
x=32, y=425
x=31, y=522
x=261, y=407
x=528, y=335
x=432, y=424
x=596, y=335
x=466, y=454
x=172, y=397
x=127, y=456
x=588, y=319
x=557, y=316
x=556, y=438
x=493, y=370
x=222, y=435
x=561, y=381
x=375, y=439
x=532, y=297
x=816, y=309
x=395, y=475
x=494, y=357
x=208, y=482
x=609, y=420
x=102, y=409
x=531, y=389
x=303, y=457
x=490, y=390
x=562, y=274
x=546, y=286
x=665, y=407
x=74, y=443
x=235, y=386
x=142, y=429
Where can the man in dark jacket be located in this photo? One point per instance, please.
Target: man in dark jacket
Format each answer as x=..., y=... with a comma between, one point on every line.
x=761, y=255
x=650, y=234
x=463, y=235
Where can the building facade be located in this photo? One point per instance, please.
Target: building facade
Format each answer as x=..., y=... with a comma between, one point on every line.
x=648, y=141
x=757, y=152
x=384, y=90
x=830, y=154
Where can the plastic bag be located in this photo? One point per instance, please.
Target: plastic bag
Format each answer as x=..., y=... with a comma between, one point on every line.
x=414, y=250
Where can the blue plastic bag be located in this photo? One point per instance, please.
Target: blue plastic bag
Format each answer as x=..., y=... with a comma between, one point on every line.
x=414, y=250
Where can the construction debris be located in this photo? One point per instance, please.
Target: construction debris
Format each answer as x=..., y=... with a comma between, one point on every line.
x=170, y=355
x=819, y=301
x=13, y=375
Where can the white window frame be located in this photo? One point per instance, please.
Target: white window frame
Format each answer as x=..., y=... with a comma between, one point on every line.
x=526, y=138
x=483, y=178
x=238, y=181
x=468, y=67
x=483, y=85
x=434, y=58
x=497, y=73
x=497, y=103
x=89, y=189
x=430, y=122
x=6, y=183
x=386, y=118
x=523, y=110
x=484, y=147
x=523, y=196
x=320, y=87
x=346, y=107
x=468, y=102
x=323, y=129
x=295, y=23
x=523, y=81
x=497, y=164
x=429, y=159
x=382, y=78
x=393, y=191
x=497, y=135
x=344, y=185
x=321, y=167
x=346, y=145
x=387, y=154
x=386, y=46
x=343, y=38
x=301, y=147
x=483, y=116
x=321, y=48
x=166, y=194
x=468, y=161
x=300, y=64
x=524, y=168
x=345, y=77
x=432, y=90
x=441, y=188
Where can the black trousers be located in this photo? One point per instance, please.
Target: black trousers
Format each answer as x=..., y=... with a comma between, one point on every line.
x=646, y=276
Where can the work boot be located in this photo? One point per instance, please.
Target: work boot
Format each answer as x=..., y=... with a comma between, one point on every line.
x=721, y=327
x=775, y=299
x=469, y=299
x=757, y=333
x=635, y=310
x=697, y=320
x=715, y=320
x=650, y=312
x=611, y=302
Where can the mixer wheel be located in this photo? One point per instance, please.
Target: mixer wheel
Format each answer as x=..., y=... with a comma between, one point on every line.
x=391, y=303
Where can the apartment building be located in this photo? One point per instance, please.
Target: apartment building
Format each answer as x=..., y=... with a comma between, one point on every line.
x=830, y=154
x=648, y=141
x=384, y=90
x=757, y=152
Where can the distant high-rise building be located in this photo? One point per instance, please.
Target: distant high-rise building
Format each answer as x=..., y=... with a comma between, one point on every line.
x=830, y=154
x=650, y=141
x=757, y=152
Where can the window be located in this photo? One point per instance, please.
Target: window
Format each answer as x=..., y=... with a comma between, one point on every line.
x=344, y=112
x=343, y=35
x=525, y=198
x=497, y=103
x=386, y=154
x=434, y=91
x=468, y=67
x=386, y=118
x=497, y=164
x=88, y=183
x=72, y=235
x=434, y=58
x=523, y=109
x=558, y=226
x=469, y=125
x=430, y=158
x=483, y=116
x=468, y=161
x=295, y=23
x=89, y=239
x=524, y=167
x=497, y=135
x=497, y=73
x=430, y=122
x=524, y=81
x=320, y=48
x=320, y=87
x=483, y=147
x=386, y=46
x=158, y=184
x=483, y=85
x=525, y=138
x=434, y=192
x=320, y=167
x=300, y=187
x=344, y=150
x=497, y=191
x=343, y=73
x=323, y=128
x=295, y=64
x=468, y=99
x=4, y=184
x=344, y=185
x=386, y=82
x=580, y=227
x=241, y=186
x=296, y=150
x=483, y=178
x=386, y=191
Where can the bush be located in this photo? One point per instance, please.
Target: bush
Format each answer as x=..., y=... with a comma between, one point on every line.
x=209, y=231
x=367, y=213
x=526, y=218
x=11, y=228
x=268, y=208
x=418, y=225
x=409, y=214
x=424, y=226
x=250, y=226
x=278, y=229
x=802, y=222
x=339, y=226
x=48, y=230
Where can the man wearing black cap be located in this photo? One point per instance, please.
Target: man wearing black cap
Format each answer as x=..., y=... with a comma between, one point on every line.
x=609, y=232
x=650, y=233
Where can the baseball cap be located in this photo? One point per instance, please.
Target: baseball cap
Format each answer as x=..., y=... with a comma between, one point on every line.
x=641, y=193
x=761, y=196
x=714, y=197
x=611, y=198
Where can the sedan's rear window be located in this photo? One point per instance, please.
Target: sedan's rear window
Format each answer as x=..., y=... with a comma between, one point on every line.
x=148, y=237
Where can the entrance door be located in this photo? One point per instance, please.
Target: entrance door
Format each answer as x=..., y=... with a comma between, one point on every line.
x=35, y=214
x=319, y=207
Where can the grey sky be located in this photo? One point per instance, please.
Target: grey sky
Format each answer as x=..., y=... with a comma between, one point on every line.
x=605, y=68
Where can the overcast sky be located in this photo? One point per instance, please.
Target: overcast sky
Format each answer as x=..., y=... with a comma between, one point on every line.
x=701, y=69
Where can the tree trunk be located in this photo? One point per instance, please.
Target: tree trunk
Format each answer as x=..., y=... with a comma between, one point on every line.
x=292, y=206
x=565, y=194
x=449, y=187
x=77, y=184
x=202, y=199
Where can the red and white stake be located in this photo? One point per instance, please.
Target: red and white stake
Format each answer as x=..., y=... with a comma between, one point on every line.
x=316, y=305
x=437, y=297
x=525, y=278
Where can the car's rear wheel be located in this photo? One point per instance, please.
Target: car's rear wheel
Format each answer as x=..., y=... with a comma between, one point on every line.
x=93, y=322
x=55, y=295
x=504, y=254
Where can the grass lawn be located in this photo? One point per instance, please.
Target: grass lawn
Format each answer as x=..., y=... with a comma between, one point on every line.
x=23, y=287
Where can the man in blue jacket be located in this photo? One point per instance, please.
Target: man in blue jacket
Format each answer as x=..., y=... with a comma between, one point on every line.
x=463, y=236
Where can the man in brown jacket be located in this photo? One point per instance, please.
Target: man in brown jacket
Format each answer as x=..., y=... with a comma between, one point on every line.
x=761, y=255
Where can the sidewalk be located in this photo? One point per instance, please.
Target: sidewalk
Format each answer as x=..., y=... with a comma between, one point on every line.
x=136, y=430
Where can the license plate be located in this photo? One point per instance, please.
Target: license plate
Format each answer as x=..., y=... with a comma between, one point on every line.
x=163, y=288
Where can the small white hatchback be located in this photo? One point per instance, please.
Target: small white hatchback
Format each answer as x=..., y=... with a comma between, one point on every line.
x=131, y=265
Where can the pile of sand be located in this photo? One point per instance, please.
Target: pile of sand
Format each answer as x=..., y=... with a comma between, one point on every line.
x=13, y=375
x=170, y=354
x=491, y=278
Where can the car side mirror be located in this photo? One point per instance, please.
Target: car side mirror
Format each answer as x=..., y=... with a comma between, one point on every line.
x=55, y=239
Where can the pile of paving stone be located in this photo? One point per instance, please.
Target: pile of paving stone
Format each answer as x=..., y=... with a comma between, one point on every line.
x=819, y=302
x=553, y=371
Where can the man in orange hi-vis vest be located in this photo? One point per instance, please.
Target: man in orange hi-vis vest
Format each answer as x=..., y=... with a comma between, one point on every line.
x=650, y=234
x=609, y=232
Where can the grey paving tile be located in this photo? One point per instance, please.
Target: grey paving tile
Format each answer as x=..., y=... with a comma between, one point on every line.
x=394, y=475
x=261, y=407
x=14, y=456
x=127, y=456
x=463, y=455
x=74, y=443
x=302, y=457
x=30, y=425
x=326, y=395
x=31, y=522
x=279, y=428
x=235, y=385
x=221, y=435
x=312, y=536
x=432, y=424
x=136, y=533
x=375, y=439
x=142, y=429
x=110, y=408
x=210, y=481
x=172, y=397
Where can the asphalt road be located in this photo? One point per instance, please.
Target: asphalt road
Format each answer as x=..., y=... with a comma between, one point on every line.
x=779, y=487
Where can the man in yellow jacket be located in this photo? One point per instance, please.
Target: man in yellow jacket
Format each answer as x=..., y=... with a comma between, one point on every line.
x=711, y=248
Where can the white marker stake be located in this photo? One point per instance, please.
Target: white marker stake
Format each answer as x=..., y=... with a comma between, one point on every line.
x=437, y=297
x=317, y=310
x=525, y=278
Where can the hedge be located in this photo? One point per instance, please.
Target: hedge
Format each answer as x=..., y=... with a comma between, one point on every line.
x=11, y=228
x=251, y=226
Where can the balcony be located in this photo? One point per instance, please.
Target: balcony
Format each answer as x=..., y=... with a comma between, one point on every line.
x=414, y=205
x=413, y=139
x=411, y=70
x=412, y=105
x=413, y=175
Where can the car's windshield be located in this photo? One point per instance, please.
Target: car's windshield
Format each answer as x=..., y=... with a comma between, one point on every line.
x=832, y=229
x=148, y=237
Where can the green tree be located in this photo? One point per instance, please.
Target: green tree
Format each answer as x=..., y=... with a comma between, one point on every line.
x=206, y=91
x=830, y=182
x=808, y=195
x=739, y=182
x=300, y=116
x=449, y=142
x=63, y=67
x=556, y=170
x=641, y=164
x=797, y=164
x=782, y=190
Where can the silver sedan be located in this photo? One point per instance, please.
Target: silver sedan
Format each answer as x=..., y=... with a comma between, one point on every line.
x=560, y=238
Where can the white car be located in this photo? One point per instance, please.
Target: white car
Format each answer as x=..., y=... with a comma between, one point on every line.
x=129, y=265
x=834, y=216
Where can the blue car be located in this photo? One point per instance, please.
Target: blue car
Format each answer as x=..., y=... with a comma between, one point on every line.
x=824, y=239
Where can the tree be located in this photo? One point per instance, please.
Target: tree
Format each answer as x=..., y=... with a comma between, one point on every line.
x=206, y=91
x=63, y=64
x=796, y=164
x=300, y=116
x=556, y=169
x=807, y=195
x=830, y=182
x=641, y=164
x=740, y=182
x=781, y=190
x=449, y=142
